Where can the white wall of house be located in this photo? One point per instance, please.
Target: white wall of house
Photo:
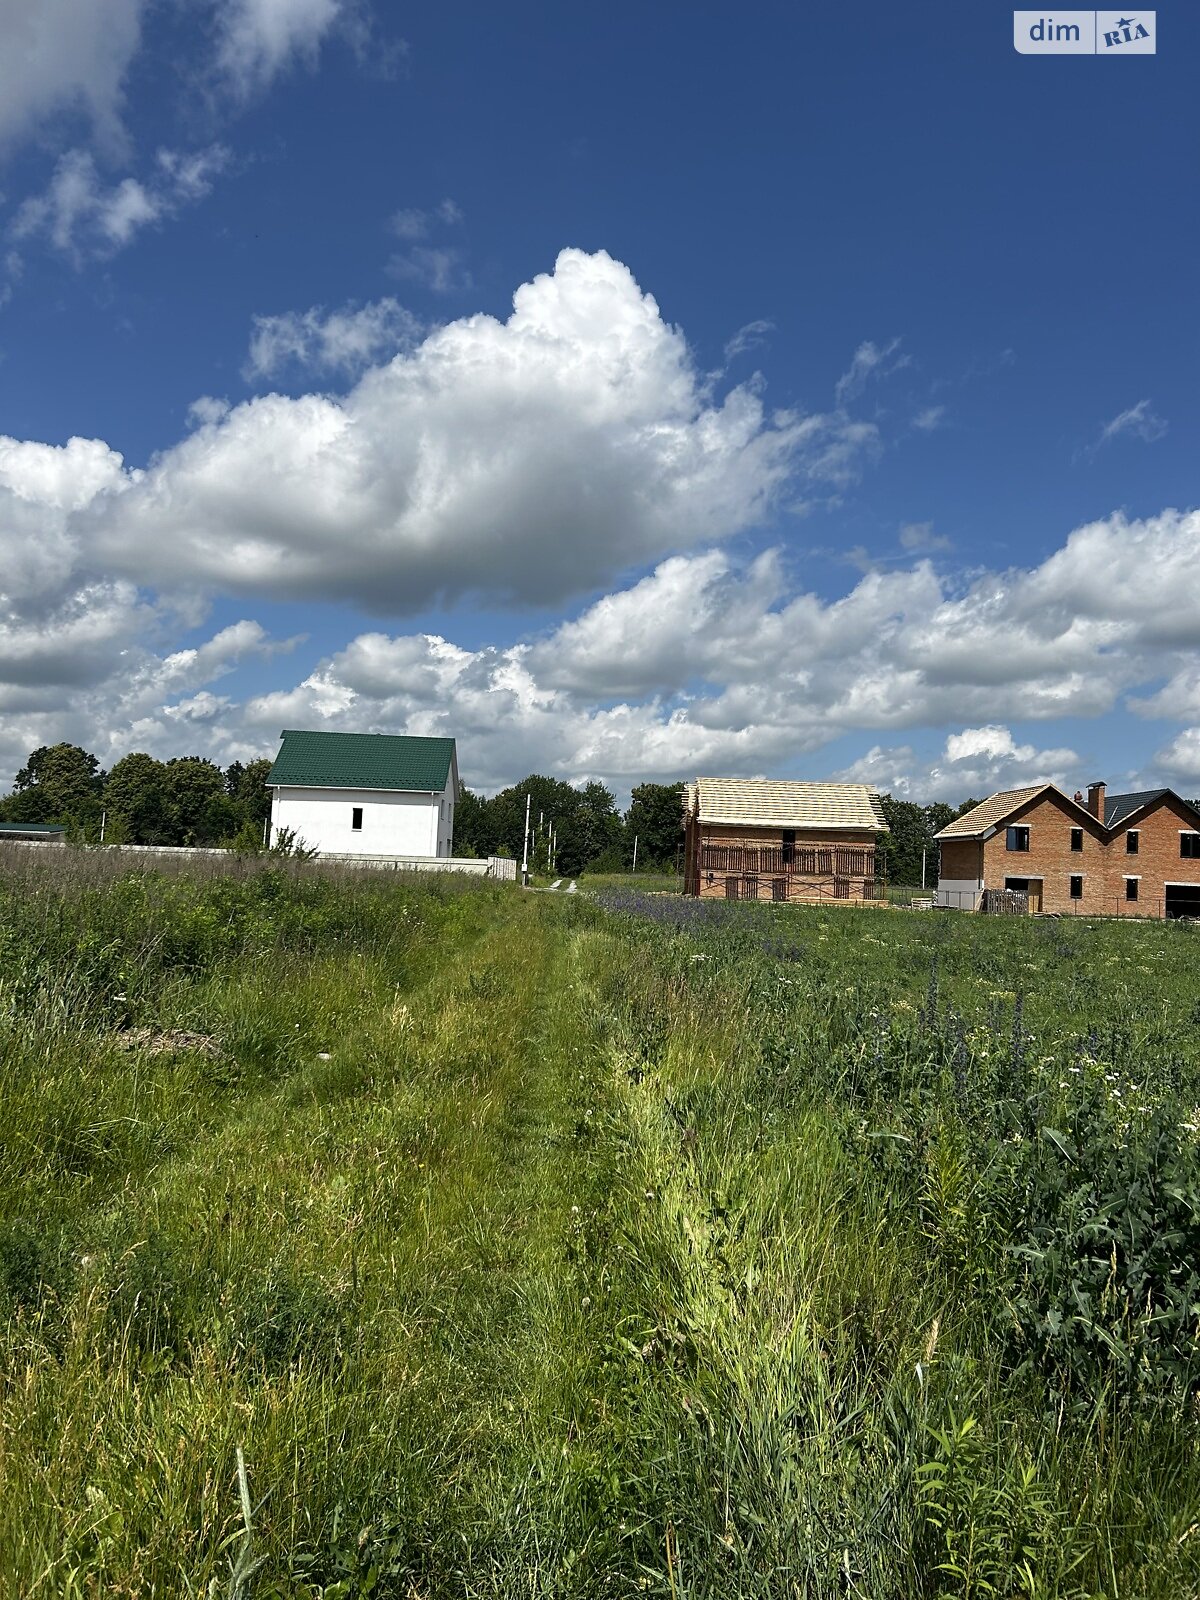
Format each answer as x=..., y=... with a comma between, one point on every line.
x=394, y=822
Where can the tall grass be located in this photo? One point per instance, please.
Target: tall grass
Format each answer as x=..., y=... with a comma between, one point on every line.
x=362, y=1236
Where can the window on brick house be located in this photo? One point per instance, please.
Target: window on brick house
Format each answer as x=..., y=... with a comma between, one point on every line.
x=1077, y=886
x=1131, y=888
x=356, y=818
x=1017, y=839
x=1132, y=839
x=1189, y=846
x=1076, y=839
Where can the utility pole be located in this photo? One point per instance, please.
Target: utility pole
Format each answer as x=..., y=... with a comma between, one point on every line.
x=635, y=839
x=525, y=844
x=922, y=867
x=103, y=820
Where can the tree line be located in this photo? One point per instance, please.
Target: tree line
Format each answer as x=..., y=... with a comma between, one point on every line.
x=188, y=800
x=591, y=834
x=574, y=830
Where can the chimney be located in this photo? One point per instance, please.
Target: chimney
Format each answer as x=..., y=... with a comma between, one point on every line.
x=1095, y=800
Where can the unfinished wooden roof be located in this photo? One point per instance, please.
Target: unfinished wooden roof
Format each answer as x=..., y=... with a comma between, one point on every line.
x=761, y=803
x=993, y=810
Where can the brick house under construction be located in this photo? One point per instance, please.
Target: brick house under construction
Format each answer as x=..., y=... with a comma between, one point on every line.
x=750, y=839
x=1125, y=855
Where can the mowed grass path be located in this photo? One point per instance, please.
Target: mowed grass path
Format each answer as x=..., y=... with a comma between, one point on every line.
x=362, y=1276
x=513, y=1248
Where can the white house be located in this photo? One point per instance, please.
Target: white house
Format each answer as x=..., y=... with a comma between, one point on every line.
x=365, y=794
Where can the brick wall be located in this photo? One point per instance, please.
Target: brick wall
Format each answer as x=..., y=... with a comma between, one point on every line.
x=959, y=859
x=1050, y=857
x=1103, y=863
x=1157, y=862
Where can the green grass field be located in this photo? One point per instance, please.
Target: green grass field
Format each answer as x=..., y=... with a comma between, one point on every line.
x=366, y=1235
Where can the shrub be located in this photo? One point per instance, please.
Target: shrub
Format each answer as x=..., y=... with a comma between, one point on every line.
x=1109, y=1293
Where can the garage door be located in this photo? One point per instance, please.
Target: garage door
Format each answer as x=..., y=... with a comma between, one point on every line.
x=1183, y=900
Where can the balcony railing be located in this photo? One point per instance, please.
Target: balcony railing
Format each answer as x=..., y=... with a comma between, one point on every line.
x=796, y=888
x=802, y=861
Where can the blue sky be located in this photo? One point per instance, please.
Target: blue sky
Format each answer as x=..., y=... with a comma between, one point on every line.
x=846, y=422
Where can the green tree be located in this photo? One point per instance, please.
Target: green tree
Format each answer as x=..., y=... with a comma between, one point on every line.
x=249, y=791
x=58, y=783
x=469, y=825
x=198, y=808
x=911, y=828
x=576, y=824
x=598, y=832
x=655, y=815
x=135, y=792
x=940, y=815
x=585, y=821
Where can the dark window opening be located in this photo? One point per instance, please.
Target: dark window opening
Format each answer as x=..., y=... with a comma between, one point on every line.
x=1076, y=839
x=356, y=818
x=1182, y=900
x=1077, y=887
x=841, y=888
x=789, y=846
x=1131, y=842
x=1131, y=888
x=1017, y=839
x=1189, y=846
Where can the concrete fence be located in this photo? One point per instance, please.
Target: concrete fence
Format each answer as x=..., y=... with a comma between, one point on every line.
x=501, y=868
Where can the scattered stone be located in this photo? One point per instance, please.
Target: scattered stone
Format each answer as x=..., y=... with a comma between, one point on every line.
x=168, y=1041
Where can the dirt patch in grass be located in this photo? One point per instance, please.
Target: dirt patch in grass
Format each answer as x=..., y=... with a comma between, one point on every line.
x=169, y=1042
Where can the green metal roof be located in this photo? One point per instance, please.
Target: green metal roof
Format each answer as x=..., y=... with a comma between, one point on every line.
x=362, y=761
x=38, y=828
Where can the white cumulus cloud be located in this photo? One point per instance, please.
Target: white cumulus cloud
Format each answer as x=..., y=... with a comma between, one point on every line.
x=974, y=763
x=259, y=39
x=60, y=57
x=83, y=217
x=341, y=341
x=526, y=459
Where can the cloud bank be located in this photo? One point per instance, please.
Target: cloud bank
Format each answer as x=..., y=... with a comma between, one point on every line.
x=571, y=449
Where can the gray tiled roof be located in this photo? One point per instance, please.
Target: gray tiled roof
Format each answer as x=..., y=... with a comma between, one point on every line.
x=1119, y=806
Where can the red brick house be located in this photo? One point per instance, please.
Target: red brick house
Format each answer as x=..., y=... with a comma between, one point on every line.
x=751, y=839
x=1109, y=855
